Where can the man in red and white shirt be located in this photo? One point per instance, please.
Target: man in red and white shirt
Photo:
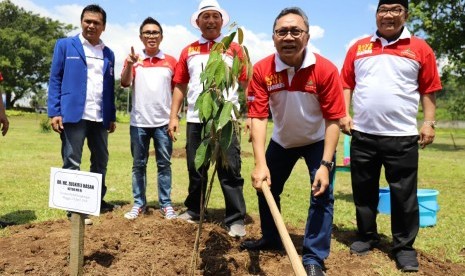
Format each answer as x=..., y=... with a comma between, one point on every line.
x=150, y=73
x=304, y=94
x=386, y=75
x=209, y=18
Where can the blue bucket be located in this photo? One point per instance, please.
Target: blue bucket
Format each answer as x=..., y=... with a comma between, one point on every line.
x=427, y=202
x=384, y=205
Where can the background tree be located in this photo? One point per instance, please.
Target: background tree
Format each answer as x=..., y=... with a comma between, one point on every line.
x=122, y=96
x=442, y=24
x=27, y=42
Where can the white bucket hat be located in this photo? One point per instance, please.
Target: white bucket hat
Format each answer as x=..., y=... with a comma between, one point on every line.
x=209, y=5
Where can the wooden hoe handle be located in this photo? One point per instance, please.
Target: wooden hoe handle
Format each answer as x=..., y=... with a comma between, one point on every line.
x=286, y=239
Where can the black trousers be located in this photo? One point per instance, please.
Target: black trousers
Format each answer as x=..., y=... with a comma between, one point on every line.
x=230, y=178
x=399, y=156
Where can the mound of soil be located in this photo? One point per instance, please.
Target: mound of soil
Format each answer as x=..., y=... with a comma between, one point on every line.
x=152, y=245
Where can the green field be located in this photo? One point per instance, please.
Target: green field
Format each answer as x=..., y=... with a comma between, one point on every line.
x=27, y=154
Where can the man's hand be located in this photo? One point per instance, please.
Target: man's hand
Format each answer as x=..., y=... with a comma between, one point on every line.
x=427, y=134
x=132, y=57
x=173, y=127
x=57, y=124
x=346, y=124
x=321, y=182
x=260, y=174
x=112, y=127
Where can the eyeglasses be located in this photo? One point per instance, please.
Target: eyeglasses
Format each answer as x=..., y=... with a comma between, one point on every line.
x=295, y=33
x=393, y=12
x=149, y=34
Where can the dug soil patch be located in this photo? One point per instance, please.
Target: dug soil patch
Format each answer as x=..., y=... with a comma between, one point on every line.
x=152, y=245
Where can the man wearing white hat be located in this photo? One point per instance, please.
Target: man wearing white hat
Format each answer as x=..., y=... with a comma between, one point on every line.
x=209, y=18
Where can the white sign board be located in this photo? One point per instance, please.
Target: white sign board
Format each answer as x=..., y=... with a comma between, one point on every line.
x=75, y=191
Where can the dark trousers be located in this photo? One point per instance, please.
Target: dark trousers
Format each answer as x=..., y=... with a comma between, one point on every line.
x=72, y=142
x=230, y=178
x=399, y=156
x=318, y=228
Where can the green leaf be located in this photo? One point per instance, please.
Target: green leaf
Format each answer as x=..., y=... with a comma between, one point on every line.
x=228, y=39
x=225, y=115
x=240, y=36
x=207, y=106
x=198, y=102
x=220, y=73
x=236, y=66
x=226, y=136
x=203, y=154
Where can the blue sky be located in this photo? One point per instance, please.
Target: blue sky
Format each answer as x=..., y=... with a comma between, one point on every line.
x=334, y=24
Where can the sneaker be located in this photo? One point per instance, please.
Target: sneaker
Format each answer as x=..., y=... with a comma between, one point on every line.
x=237, y=230
x=135, y=212
x=314, y=270
x=108, y=207
x=363, y=247
x=168, y=212
x=406, y=260
x=189, y=217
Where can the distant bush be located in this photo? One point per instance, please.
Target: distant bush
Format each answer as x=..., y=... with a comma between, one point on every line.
x=45, y=126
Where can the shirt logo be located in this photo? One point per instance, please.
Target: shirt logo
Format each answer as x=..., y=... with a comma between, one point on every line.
x=408, y=53
x=274, y=82
x=193, y=50
x=364, y=49
x=310, y=86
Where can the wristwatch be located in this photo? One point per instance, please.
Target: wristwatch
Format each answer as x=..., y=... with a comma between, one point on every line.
x=432, y=124
x=327, y=164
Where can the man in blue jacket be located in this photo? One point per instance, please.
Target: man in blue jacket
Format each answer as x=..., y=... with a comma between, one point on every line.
x=81, y=95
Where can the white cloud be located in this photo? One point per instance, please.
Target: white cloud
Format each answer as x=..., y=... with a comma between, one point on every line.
x=352, y=42
x=120, y=37
x=316, y=32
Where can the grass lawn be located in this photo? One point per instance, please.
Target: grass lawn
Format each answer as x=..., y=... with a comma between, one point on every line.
x=27, y=154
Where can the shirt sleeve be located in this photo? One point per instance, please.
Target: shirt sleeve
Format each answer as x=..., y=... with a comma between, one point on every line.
x=257, y=96
x=181, y=73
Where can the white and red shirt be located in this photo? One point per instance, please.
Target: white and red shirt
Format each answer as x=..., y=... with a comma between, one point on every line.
x=387, y=79
x=299, y=101
x=192, y=61
x=152, y=88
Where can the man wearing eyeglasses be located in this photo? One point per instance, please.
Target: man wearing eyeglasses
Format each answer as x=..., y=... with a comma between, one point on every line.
x=151, y=73
x=81, y=96
x=304, y=94
x=210, y=18
x=386, y=76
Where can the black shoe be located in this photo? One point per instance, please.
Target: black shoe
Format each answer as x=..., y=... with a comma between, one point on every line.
x=406, y=260
x=363, y=247
x=314, y=270
x=260, y=244
x=107, y=207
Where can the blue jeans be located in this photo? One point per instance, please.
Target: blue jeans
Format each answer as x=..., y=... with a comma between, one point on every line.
x=140, y=144
x=72, y=141
x=317, y=237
